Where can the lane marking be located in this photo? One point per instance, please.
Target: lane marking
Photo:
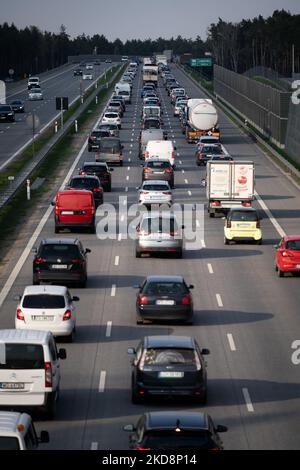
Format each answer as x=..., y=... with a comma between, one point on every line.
x=124, y=202
x=119, y=237
x=198, y=225
x=117, y=260
x=113, y=290
x=186, y=181
x=219, y=300
x=128, y=168
x=127, y=177
x=126, y=189
x=273, y=221
x=231, y=342
x=102, y=381
x=189, y=193
x=203, y=243
x=122, y=218
x=94, y=446
x=248, y=400
x=182, y=172
x=108, y=329
x=180, y=162
x=210, y=268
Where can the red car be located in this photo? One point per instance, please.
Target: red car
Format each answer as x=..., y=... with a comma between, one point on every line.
x=287, y=255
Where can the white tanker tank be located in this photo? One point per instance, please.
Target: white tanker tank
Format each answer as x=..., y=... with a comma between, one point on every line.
x=202, y=119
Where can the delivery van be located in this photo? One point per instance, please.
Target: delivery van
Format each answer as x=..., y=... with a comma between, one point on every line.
x=74, y=209
x=161, y=150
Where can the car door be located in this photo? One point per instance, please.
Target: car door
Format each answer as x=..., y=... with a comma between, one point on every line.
x=278, y=252
x=55, y=364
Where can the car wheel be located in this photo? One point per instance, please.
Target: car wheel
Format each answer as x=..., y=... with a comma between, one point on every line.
x=203, y=398
x=56, y=229
x=50, y=408
x=35, y=281
x=135, y=398
x=179, y=254
x=139, y=320
x=137, y=254
x=211, y=215
x=259, y=242
x=70, y=338
x=226, y=241
x=82, y=284
x=121, y=163
x=93, y=229
x=279, y=272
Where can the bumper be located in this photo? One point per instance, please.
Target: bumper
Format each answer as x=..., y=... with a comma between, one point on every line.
x=292, y=267
x=189, y=391
x=243, y=235
x=59, y=276
x=155, y=201
x=166, y=313
x=64, y=329
x=22, y=399
x=149, y=177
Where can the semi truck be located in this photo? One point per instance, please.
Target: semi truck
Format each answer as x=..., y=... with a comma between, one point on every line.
x=150, y=74
x=229, y=184
x=201, y=119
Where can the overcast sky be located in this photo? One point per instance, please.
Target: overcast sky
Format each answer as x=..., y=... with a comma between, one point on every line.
x=139, y=19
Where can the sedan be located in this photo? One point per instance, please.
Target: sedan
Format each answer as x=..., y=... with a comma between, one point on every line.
x=168, y=366
x=287, y=255
x=111, y=118
x=155, y=192
x=6, y=113
x=90, y=183
x=164, y=298
x=162, y=169
x=18, y=106
x=35, y=94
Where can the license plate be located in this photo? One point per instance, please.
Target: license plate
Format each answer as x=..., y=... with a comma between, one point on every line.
x=59, y=266
x=67, y=212
x=171, y=375
x=243, y=225
x=42, y=317
x=298, y=266
x=165, y=302
x=158, y=172
x=12, y=385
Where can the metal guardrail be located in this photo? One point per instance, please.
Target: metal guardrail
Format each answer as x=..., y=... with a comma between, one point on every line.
x=21, y=179
x=256, y=138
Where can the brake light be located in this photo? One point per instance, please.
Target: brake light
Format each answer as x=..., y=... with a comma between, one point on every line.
x=200, y=154
x=67, y=315
x=97, y=190
x=20, y=314
x=82, y=173
x=167, y=193
x=48, y=374
x=77, y=261
x=216, y=203
x=169, y=170
x=286, y=254
x=246, y=204
x=173, y=154
x=147, y=170
x=197, y=361
x=186, y=300
x=142, y=300
x=214, y=448
x=39, y=260
x=143, y=448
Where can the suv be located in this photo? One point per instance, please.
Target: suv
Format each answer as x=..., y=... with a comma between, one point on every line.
x=99, y=169
x=60, y=260
x=17, y=432
x=90, y=183
x=204, y=152
x=154, y=169
x=175, y=430
x=94, y=138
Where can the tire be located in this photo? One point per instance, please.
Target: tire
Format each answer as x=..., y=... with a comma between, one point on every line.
x=135, y=398
x=108, y=188
x=259, y=242
x=279, y=272
x=139, y=320
x=82, y=284
x=212, y=215
x=69, y=339
x=137, y=254
x=203, y=399
x=56, y=229
x=93, y=229
x=179, y=254
x=35, y=281
x=226, y=241
x=121, y=163
x=50, y=408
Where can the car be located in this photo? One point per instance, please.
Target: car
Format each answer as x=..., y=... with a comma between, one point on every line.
x=110, y=151
x=17, y=432
x=120, y=100
x=89, y=67
x=168, y=366
x=149, y=134
x=30, y=371
x=151, y=102
x=205, y=152
x=74, y=209
x=60, y=260
x=148, y=95
x=47, y=308
x=35, y=94
x=33, y=81
x=18, y=106
x=147, y=88
x=125, y=94
x=180, y=104
x=87, y=76
x=77, y=73
x=6, y=113
x=111, y=127
x=151, y=123
x=155, y=168
x=99, y=169
x=151, y=111
x=164, y=298
x=90, y=183
x=287, y=255
x=108, y=61
x=242, y=224
x=111, y=118
x=208, y=139
x=155, y=192
x=175, y=430
x=94, y=138
x=161, y=149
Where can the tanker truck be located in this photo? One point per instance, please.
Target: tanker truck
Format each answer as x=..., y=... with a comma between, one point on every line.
x=201, y=119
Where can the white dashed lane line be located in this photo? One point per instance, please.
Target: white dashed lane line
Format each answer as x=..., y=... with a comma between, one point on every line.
x=108, y=329
x=219, y=300
x=231, y=342
x=102, y=381
x=113, y=290
x=210, y=268
x=94, y=446
x=117, y=260
x=248, y=400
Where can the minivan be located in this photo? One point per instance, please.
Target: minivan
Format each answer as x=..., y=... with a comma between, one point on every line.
x=110, y=150
x=29, y=370
x=74, y=209
x=161, y=149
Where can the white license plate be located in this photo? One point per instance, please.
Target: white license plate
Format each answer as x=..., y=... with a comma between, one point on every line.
x=165, y=302
x=42, y=317
x=243, y=225
x=12, y=385
x=59, y=266
x=171, y=375
x=158, y=172
x=298, y=266
x=67, y=212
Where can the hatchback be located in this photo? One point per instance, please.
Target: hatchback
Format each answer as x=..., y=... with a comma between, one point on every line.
x=242, y=224
x=111, y=127
x=204, y=152
x=287, y=255
x=168, y=366
x=164, y=298
x=90, y=183
x=112, y=118
x=162, y=169
x=155, y=192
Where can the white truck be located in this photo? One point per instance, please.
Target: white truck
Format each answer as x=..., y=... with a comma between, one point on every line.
x=229, y=184
x=150, y=74
x=161, y=59
x=147, y=61
x=201, y=119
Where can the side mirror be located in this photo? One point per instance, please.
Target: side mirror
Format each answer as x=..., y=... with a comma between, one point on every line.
x=223, y=218
x=62, y=354
x=87, y=250
x=75, y=298
x=205, y=352
x=129, y=428
x=137, y=187
x=131, y=351
x=221, y=428
x=191, y=286
x=175, y=148
x=174, y=167
x=276, y=246
x=44, y=439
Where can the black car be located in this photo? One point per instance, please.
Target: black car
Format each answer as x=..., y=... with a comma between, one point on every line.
x=60, y=260
x=18, y=106
x=168, y=366
x=175, y=430
x=206, y=151
x=90, y=183
x=99, y=169
x=77, y=73
x=6, y=113
x=95, y=137
x=164, y=298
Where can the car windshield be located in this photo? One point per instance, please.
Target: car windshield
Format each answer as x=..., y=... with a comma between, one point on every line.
x=166, y=356
x=111, y=115
x=46, y=301
x=9, y=443
x=208, y=140
x=159, y=224
x=83, y=183
x=293, y=245
x=178, y=440
x=58, y=251
x=155, y=187
x=99, y=134
x=244, y=216
x=22, y=356
x=212, y=150
x=5, y=108
x=158, y=165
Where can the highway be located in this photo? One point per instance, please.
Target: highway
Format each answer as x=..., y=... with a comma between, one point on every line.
x=60, y=82
x=244, y=313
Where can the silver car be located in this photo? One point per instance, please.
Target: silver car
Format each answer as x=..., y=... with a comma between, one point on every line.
x=155, y=192
x=158, y=232
x=35, y=94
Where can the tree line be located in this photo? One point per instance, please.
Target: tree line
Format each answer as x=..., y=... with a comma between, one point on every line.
x=238, y=46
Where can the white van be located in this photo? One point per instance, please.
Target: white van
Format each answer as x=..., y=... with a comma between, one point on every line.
x=124, y=90
x=33, y=82
x=161, y=149
x=29, y=370
x=17, y=432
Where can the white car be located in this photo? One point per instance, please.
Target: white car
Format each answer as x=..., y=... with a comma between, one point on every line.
x=89, y=66
x=87, y=76
x=155, y=192
x=47, y=308
x=180, y=104
x=32, y=82
x=35, y=94
x=111, y=118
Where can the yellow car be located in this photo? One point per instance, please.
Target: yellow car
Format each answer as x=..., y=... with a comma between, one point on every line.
x=242, y=224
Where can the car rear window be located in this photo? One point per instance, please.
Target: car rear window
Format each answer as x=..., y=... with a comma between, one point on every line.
x=158, y=165
x=22, y=356
x=5, y=108
x=109, y=146
x=158, y=224
x=44, y=301
x=212, y=150
x=175, y=440
x=71, y=201
x=154, y=124
x=243, y=216
x=168, y=356
x=95, y=169
x=60, y=251
x=156, y=187
x=84, y=183
x=293, y=245
x=165, y=288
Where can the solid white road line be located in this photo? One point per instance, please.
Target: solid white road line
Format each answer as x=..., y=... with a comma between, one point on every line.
x=231, y=342
x=210, y=268
x=94, y=446
x=102, y=381
x=248, y=400
x=117, y=260
x=108, y=329
x=219, y=300
x=113, y=290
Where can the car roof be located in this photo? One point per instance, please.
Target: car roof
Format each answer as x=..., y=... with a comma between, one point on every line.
x=161, y=420
x=243, y=209
x=9, y=420
x=74, y=192
x=24, y=336
x=100, y=164
x=164, y=278
x=88, y=177
x=145, y=183
x=45, y=289
x=58, y=241
x=167, y=341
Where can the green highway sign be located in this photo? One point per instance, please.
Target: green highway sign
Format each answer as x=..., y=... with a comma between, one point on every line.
x=205, y=62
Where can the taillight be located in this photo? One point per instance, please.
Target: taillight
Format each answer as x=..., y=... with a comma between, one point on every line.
x=142, y=300
x=48, y=374
x=186, y=300
x=147, y=170
x=173, y=154
x=82, y=173
x=77, y=261
x=39, y=260
x=246, y=204
x=200, y=154
x=214, y=448
x=216, y=203
x=169, y=170
x=67, y=315
x=143, y=448
x=146, y=154
x=20, y=314
x=197, y=361
x=167, y=193
x=286, y=254
x=97, y=190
